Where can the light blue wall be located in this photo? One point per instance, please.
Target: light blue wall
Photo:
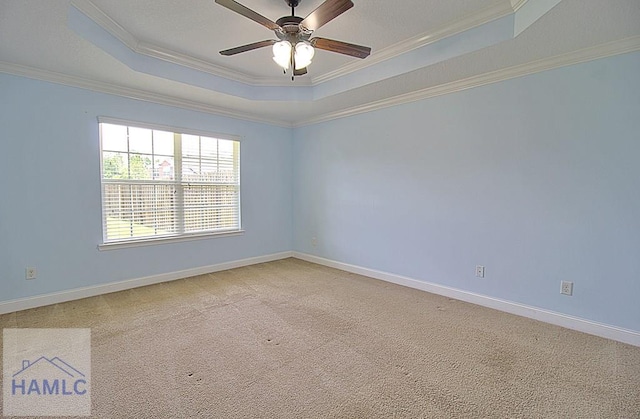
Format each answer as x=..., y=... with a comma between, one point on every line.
x=50, y=190
x=537, y=178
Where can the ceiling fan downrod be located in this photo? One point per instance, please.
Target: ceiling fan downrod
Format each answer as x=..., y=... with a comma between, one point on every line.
x=293, y=4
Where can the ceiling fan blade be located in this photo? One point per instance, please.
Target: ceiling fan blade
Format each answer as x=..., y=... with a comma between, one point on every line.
x=246, y=12
x=340, y=47
x=248, y=47
x=326, y=12
x=300, y=72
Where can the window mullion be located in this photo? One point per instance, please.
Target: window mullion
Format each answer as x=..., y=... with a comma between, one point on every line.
x=177, y=158
x=236, y=171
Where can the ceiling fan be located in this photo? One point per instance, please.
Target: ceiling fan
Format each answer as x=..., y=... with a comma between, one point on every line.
x=295, y=47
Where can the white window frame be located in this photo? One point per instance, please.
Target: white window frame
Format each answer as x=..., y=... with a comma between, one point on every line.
x=180, y=235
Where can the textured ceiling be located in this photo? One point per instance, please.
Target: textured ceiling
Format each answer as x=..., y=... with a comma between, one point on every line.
x=168, y=51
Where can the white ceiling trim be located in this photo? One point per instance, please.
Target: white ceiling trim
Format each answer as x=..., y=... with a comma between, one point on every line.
x=453, y=28
x=478, y=37
x=588, y=54
x=158, y=67
x=483, y=17
x=103, y=20
x=517, y=4
x=106, y=22
x=137, y=94
x=530, y=12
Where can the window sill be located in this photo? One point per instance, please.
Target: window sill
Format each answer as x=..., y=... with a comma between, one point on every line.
x=167, y=240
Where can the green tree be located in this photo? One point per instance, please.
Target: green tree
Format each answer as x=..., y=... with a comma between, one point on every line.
x=140, y=167
x=113, y=167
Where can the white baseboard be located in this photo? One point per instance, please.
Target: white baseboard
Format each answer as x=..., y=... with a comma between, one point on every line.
x=84, y=292
x=570, y=322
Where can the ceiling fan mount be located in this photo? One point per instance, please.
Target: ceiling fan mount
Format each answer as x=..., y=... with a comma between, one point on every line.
x=295, y=46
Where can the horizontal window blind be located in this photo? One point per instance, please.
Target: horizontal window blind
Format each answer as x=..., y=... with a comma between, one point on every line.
x=157, y=183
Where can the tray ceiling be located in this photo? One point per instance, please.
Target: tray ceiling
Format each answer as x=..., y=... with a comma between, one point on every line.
x=167, y=51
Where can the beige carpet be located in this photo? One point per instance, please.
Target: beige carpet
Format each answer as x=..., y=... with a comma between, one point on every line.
x=290, y=339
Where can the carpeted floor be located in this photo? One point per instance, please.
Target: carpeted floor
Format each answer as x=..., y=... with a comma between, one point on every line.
x=291, y=339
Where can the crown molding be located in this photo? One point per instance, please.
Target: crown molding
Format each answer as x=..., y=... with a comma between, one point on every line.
x=106, y=22
x=618, y=47
x=130, y=93
x=103, y=20
x=609, y=49
x=471, y=21
x=517, y=4
x=485, y=16
x=193, y=63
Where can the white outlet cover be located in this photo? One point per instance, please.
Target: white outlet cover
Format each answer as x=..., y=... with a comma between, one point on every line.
x=566, y=287
x=31, y=273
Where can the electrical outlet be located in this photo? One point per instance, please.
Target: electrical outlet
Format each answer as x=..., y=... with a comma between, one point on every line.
x=314, y=241
x=480, y=271
x=30, y=273
x=566, y=287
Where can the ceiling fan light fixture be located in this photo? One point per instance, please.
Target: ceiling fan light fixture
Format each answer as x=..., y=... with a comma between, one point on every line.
x=304, y=53
x=282, y=54
x=295, y=46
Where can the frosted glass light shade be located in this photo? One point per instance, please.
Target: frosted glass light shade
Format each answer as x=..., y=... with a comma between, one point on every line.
x=303, y=55
x=282, y=54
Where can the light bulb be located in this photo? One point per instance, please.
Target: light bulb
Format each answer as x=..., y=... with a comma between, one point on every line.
x=303, y=55
x=282, y=54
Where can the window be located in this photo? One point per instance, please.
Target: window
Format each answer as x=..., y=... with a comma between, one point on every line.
x=157, y=183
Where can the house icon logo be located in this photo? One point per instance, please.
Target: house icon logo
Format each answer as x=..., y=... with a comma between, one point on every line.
x=46, y=372
x=62, y=378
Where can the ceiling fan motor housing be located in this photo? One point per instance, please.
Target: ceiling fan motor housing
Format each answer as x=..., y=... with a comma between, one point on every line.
x=289, y=24
x=291, y=30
